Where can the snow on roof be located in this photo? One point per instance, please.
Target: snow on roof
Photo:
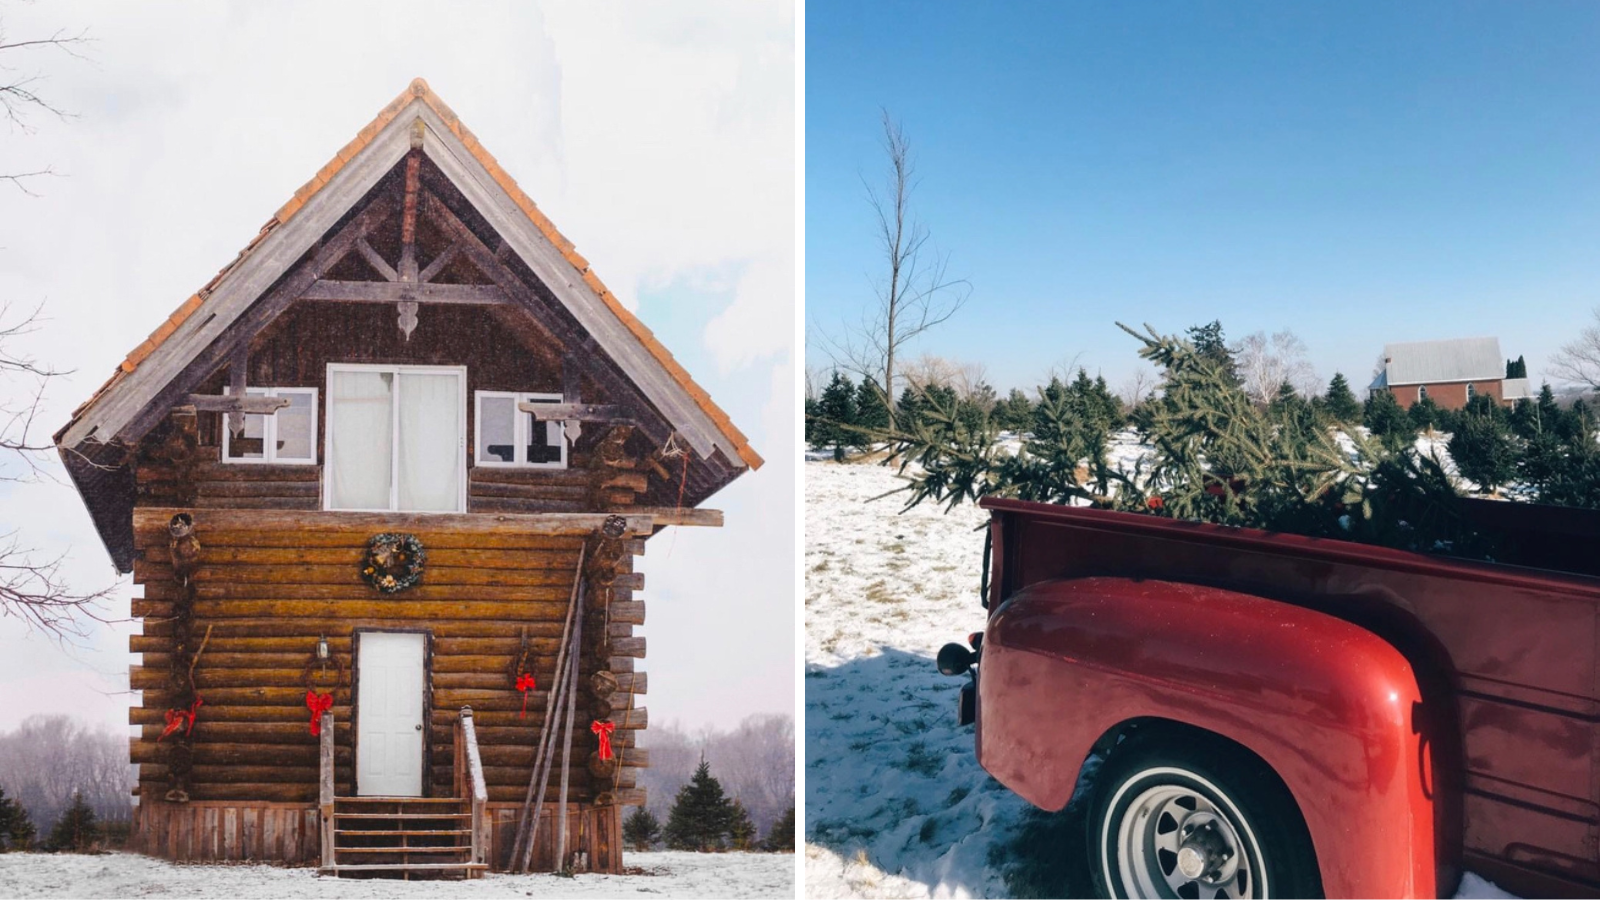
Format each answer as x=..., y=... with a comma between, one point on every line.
x=1429, y=362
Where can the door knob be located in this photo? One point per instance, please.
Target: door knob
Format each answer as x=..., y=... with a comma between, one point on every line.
x=419, y=726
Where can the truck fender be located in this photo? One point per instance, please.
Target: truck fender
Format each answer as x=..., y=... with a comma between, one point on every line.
x=1332, y=708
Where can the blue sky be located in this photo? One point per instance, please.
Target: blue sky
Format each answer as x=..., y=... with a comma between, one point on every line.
x=1358, y=173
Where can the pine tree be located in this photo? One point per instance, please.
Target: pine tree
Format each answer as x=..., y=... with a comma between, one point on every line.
x=781, y=838
x=812, y=411
x=76, y=831
x=1340, y=402
x=1517, y=368
x=1209, y=343
x=16, y=829
x=836, y=415
x=1387, y=421
x=641, y=830
x=1483, y=448
x=701, y=816
x=1014, y=413
x=871, y=410
x=741, y=831
x=1426, y=415
x=908, y=410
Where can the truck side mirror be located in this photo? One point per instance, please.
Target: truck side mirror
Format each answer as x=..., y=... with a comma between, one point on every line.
x=955, y=659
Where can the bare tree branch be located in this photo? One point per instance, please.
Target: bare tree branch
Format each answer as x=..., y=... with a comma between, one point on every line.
x=914, y=295
x=1577, y=363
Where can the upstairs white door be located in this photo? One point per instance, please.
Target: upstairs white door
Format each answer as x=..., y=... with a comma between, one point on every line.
x=389, y=727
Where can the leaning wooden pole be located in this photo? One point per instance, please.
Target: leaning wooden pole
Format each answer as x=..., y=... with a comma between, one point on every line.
x=521, y=847
x=565, y=704
x=566, y=748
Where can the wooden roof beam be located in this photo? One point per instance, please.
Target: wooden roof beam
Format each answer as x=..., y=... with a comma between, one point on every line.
x=575, y=412
x=230, y=403
x=397, y=291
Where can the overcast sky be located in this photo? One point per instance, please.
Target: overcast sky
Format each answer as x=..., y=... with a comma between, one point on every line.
x=659, y=138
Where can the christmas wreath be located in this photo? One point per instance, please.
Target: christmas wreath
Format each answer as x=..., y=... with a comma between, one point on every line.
x=393, y=563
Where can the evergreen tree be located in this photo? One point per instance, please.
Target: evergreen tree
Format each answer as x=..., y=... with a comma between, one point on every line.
x=1526, y=423
x=16, y=829
x=836, y=415
x=741, y=831
x=1387, y=420
x=1426, y=415
x=781, y=838
x=701, y=816
x=1340, y=402
x=1210, y=344
x=908, y=410
x=1483, y=448
x=1516, y=368
x=1014, y=413
x=641, y=830
x=77, y=830
x=812, y=411
x=871, y=410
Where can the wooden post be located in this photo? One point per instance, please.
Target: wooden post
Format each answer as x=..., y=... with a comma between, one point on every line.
x=325, y=788
x=470, y=783
x=566, y=750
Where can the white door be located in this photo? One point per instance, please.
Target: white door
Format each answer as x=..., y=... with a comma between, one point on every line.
x=389, y=715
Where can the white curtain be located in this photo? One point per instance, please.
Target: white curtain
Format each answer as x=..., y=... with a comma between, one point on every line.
x=361, y=439
x=430, y=433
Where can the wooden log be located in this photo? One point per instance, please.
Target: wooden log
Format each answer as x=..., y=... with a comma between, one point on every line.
x=280, y=504
x=633, y=797
x=264, y=792
x=668, y=515
x=250, y=731
x=222, y=557
x=576, y=474
x=394, y=292
x=433, y=576
x=348, y=610
x=426, y=591
x=297, y=716
x=523, y=491
x=153, y=772
x=309, y=489
x=627, y=612
x=357, y=540
x=148, y=518
x=205, y=753
x=632, y=646
x=636, y=482
x=311, y=627
x=260, y=406
x=220, y=471
x=511, y=506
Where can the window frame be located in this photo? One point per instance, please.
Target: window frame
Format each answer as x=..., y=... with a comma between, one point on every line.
x=269, y=430
x=1472, y=391
x=519, y=430
x=1422, y=392
x=394, y=443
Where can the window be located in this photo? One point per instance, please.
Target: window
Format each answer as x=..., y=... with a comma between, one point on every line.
x=1422, y=393
x=506, y=437
x=1471, y=392
x=396, y=438
x=288, y=436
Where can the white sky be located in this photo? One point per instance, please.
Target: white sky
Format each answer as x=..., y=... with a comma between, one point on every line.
x=660, y=138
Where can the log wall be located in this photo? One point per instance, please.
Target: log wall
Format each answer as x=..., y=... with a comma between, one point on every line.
x=267, y=592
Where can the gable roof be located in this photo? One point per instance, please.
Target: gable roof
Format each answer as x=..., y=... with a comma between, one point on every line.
x=1430, y=362
x=416, y=113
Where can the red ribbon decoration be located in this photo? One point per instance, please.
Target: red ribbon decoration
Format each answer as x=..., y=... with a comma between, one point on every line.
x=318, y=704
x=180, y=718
x=604, y=729
x=525, y=684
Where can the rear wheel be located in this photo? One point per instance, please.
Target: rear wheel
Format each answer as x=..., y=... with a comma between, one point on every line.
x=1203, y=822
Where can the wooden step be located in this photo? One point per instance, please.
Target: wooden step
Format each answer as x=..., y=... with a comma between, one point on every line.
x=402, y=867
x=402, y=850
x=459, y=832
x=401, y=816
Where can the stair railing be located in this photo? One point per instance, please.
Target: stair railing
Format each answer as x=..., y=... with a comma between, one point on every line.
x=469, y=782
x=325, y=787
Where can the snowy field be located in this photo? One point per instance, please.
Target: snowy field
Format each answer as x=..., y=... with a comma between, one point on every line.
x=667, y=874
x=896, y=805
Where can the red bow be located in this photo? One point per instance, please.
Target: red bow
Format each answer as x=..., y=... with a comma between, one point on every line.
x=604, y=729
x=525, y=684
x=180, y=718
x=318, y=704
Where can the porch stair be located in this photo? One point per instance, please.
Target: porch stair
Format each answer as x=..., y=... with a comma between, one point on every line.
x=403, y=837
x=407, y=837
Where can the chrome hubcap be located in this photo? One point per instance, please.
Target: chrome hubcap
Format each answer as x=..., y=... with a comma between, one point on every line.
x=1173, y=842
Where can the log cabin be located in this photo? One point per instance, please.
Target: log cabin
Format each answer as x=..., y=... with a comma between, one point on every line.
x=383, y=480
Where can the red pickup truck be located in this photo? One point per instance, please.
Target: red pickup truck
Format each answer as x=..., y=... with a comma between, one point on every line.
x=1281, y=716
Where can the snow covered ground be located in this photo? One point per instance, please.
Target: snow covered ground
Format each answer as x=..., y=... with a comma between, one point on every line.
x=666, y=874
x=896, y=804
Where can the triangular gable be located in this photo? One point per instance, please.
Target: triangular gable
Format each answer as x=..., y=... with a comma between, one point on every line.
x=415, y=118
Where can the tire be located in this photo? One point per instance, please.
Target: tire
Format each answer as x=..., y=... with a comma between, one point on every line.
x=1181, y=817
